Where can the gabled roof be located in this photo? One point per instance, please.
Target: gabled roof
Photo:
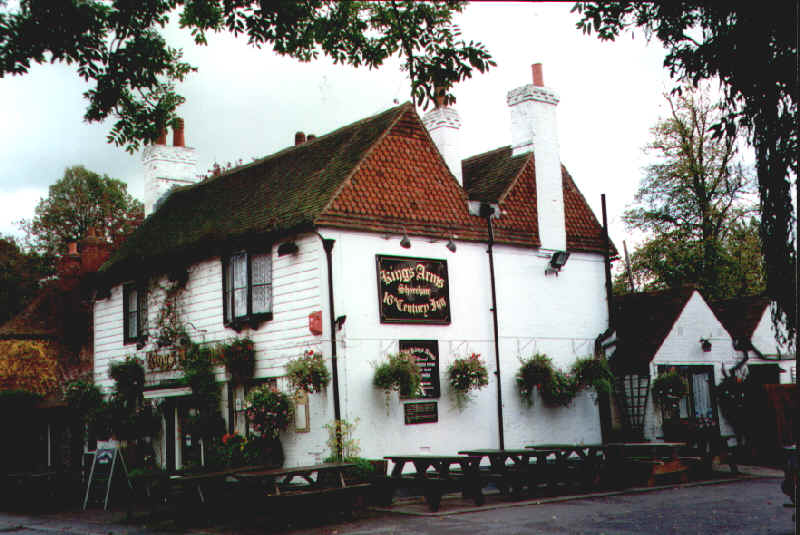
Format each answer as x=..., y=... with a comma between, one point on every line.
x=495, y=175
x=381, y=174
x=643, y=321
x=740, y=316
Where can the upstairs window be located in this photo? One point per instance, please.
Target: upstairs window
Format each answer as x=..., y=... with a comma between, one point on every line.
x=134, y=311
x=247, y=289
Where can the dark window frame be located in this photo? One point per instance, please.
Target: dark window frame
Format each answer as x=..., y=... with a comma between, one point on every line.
x=249, y=318
x=140, y=314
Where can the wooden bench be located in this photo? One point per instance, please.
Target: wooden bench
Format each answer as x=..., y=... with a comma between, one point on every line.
x=322, y=487
x=646, y=462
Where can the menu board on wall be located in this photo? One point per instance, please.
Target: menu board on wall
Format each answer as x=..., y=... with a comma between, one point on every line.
x=421, y=413
x=413, y=290
x=426, y=353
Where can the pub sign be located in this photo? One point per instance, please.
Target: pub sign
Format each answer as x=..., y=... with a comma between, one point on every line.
x=413, y=290
x=426, y=355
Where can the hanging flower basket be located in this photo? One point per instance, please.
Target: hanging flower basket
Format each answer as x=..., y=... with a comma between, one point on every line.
x=668, y=388
x=308, y=373
x=466, y=375
x=533, y=372
x=269, y=411
x=239, y=357
x=399, y=372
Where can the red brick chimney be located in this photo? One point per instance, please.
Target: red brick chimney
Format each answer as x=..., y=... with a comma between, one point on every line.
x=538, y=75
x=177, y=133
x=69, y=267
x=299, y=138
x=94, y=252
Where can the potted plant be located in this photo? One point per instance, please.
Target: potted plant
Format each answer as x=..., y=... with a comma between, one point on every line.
x=465, y=375
x=560, y=389
x=239, y=357
x=398, y=372
x=308, y=373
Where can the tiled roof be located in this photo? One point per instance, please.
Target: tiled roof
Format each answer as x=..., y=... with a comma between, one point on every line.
x=498, y=176
x=281, y=193
x=487, y=176
x=741, y=316
x=643, y=321
x=380, y=174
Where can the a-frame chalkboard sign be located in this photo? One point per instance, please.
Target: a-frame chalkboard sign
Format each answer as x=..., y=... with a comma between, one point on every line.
x=107, y=462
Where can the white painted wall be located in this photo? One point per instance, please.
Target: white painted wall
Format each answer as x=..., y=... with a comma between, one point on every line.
x=557, y=315
x=443, y=125
x=299, y=288
x=764, y=340
x=682, y=347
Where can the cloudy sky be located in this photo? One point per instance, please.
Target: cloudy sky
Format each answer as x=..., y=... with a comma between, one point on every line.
x=246, y=103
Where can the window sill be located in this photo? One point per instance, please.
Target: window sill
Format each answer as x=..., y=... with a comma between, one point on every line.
x=251, y=322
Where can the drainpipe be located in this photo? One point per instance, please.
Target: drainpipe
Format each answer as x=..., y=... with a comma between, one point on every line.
x=327, y=245
x=604, y=398
x=487, y=211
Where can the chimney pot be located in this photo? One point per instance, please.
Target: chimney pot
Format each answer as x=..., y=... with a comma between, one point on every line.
x=162, y=137
x=438, y=97
x=72, y=248
x=538, y=75
x=299, y=138
x=311, y=137
x=177, y=133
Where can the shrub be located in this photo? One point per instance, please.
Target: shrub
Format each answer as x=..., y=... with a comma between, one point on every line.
x=308, y=372
x=399, y=372
x=129, y=378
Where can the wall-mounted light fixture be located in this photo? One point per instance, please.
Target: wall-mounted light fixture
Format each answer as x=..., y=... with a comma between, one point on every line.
x=705, y=344
x=405, y=243
x=557, y=261
x=451, y=245
x=288, y=247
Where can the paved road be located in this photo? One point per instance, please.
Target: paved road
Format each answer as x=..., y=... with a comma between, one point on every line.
x=743, y=507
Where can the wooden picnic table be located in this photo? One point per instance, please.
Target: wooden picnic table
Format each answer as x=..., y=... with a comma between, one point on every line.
x=318, y=487
x=437, y=474
x=634, y=461
x=513, y=469
x=581, y=462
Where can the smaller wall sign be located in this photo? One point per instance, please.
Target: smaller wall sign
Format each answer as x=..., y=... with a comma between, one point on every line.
x=413, y=290
x=426, y=354
x=163, y=361
x=421, y=413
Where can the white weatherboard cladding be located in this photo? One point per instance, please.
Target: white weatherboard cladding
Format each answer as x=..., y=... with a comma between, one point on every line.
x=560, y=316
x=534, y=127
x=682, y=347
x=764, y=340
x=443, y=125
x=166, y=166
x=299, y=288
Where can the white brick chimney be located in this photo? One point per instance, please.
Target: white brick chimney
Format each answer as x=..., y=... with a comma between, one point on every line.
x=534, y=128
x=443, y=123
x=166, y=166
